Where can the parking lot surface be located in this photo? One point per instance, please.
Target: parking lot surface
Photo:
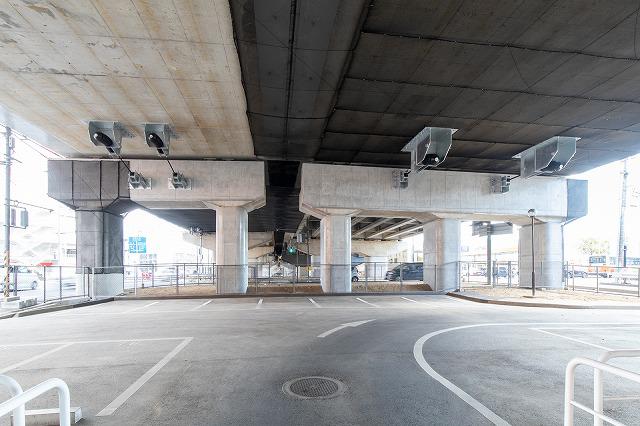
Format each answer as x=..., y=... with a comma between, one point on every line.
x=401, y=359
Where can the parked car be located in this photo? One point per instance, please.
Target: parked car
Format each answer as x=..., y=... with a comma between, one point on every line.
x=410, y=271
x=577, y=273
x=354, y=274
x=26, y=278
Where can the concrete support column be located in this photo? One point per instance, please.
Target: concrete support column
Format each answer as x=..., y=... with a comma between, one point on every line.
x=442, y=254
x=98, y=239
x=335, y=253
x=99, y=246
x=548, y=255
x=232, y=248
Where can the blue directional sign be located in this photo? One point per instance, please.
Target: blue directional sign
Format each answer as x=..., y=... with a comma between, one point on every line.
x=137, y=244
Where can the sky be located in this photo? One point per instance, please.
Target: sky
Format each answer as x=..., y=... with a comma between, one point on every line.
x=29, y=184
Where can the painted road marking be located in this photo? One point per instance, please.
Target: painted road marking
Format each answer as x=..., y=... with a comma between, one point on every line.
x=259, y=305
x=140, y=307
x=345, y=325
x=410, y=300
x=573, y=339
x=477, y=405
x=622, y=398
x=33, y=358
x=368, y=303
x=314, y=303
x=200, y=306
x=122, y=398
x=82, y=342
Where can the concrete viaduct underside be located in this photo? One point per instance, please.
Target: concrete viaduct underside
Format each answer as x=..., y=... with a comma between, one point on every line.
x=341, y=82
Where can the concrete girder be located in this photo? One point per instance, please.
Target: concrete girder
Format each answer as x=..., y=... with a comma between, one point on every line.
x=401, y=232
x=369, y=227
x=391, y=228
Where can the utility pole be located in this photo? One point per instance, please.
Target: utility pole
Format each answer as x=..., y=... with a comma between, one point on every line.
x=7, y=211
x=489, y=257
x=623, y=207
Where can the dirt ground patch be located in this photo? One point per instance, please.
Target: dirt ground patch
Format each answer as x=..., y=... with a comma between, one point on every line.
x=520, y=294
x=206, y=290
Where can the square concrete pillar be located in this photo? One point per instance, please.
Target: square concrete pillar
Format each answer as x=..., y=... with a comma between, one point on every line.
x=99, y=246
x=442, y=254
x=232, y=248
x=335, y=253
x=548, y=255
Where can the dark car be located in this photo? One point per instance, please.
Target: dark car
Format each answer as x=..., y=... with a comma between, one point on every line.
x=410, y=271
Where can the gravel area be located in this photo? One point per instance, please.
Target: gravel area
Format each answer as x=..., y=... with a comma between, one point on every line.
x=544, y=295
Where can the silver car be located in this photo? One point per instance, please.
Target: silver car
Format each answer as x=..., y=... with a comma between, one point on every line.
x=25, y=278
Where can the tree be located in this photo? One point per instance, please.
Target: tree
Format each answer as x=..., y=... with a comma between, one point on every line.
x=593, y=247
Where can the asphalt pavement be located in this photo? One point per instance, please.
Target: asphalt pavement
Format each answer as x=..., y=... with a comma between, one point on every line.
x=402, y=359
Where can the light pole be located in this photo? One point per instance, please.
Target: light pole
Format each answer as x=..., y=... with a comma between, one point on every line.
x=532, y=215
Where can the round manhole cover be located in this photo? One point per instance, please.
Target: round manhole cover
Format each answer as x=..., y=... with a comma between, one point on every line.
x=314, y=387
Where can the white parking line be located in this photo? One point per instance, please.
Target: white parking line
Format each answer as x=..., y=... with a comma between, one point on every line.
x=410, y=300
x=122, y=398
x=200, y=306
x=314, y=303
x=82, y=342
x=477, y=405
x=368, y=303
x=622, y=398
x=33, y=358
x=140, y=307
x=572, y=339
x=259, y=305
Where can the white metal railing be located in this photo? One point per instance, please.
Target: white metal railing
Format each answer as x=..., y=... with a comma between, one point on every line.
x=19, y=398
x=598, y=397
x=598, y=387
x=14, y=390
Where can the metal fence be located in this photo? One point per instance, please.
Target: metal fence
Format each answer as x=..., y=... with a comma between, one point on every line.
x=606, y=279
x=47, y=283
x=502, y=273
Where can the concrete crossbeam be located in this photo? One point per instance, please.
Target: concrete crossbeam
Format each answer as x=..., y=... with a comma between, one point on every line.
x=239, y=183
x=431, y=194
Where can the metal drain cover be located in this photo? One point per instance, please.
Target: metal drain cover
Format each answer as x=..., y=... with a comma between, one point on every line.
x=313, y=387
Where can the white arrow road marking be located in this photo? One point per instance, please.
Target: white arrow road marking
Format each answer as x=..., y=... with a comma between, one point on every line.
x=348, y=324
x=259, y=305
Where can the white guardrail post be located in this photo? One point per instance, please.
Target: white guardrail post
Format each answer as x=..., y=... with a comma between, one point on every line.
x=18, y=401
x=598, y=387
x=14, y=390
x=598, y=366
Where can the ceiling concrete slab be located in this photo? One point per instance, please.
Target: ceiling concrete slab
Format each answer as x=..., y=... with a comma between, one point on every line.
x=129, y=61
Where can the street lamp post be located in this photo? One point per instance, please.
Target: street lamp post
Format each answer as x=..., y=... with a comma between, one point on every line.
x=532, y=215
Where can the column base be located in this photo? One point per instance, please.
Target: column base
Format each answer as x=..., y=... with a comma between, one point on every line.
x=232, y=279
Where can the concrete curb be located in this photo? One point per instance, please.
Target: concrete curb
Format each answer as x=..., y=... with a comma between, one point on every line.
x=538, y=305
x=264, y=296
x=54, y=308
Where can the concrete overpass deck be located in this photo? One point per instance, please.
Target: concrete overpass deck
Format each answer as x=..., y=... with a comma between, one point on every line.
x=225, y=361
